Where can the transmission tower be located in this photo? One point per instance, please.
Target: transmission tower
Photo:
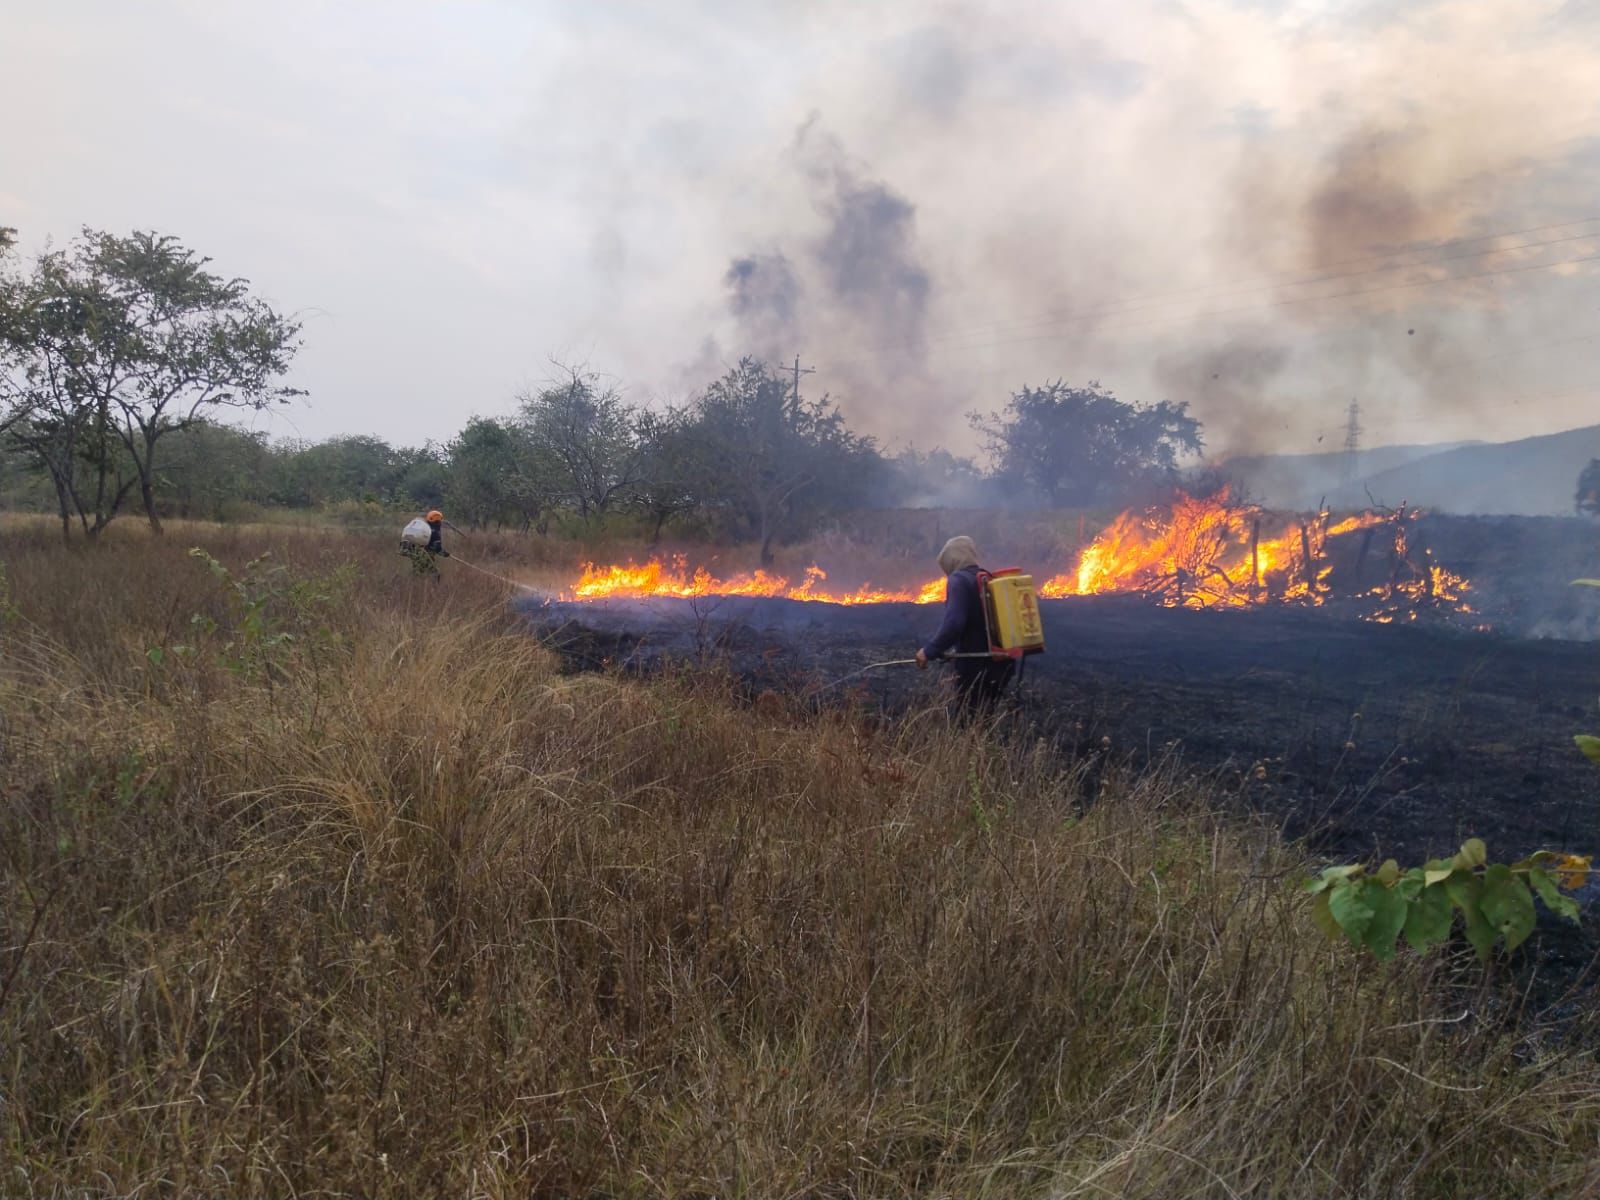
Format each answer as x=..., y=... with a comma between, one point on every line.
x=1352, y=442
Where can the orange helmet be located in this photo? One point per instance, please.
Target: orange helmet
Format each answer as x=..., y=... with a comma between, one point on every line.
x=434, y=515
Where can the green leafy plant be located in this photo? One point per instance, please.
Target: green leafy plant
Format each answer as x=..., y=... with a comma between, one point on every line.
x=271, y=617
x=1495, y=900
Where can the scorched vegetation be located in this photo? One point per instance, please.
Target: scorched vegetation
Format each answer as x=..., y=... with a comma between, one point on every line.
x=321, y=880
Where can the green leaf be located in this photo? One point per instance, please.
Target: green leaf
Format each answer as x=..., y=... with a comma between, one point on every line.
x=1465, y=891
x=1350, y=907
x=1481, y=934
x=1438, y=870
x=1590, y=745
x=1562, y=906
x=1389, y=873
x=1331, y=876
x=1473, y=854
x=155, y=654
x=1323, y=918
x=1507, y=904
x=1388, y=918
x=1586, y=583
x=1428, y=921
x=1411, y=883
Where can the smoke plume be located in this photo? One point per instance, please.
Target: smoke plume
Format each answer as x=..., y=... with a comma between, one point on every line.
x=854, y=280
x=1312, y=208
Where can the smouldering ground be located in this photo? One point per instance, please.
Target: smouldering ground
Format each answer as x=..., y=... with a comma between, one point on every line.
x=392, y=906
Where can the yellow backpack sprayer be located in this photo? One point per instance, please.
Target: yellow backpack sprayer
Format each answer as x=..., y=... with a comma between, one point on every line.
x=1010, y=613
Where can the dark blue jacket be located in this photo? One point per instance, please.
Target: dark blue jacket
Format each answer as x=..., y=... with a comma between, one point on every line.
x=963, y=628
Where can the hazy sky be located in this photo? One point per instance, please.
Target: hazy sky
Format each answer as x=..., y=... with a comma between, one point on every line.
x=928, y=203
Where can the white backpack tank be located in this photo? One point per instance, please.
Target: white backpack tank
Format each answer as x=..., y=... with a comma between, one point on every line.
x=416, y=533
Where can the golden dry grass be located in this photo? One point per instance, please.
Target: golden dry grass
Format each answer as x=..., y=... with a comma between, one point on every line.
x=397, y=908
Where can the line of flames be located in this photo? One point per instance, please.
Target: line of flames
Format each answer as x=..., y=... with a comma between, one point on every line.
x=674, y=577
x=1202, y=552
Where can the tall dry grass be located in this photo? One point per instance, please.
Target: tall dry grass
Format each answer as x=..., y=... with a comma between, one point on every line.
x=393, y=907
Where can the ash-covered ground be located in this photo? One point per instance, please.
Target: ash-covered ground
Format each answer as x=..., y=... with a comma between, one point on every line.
x=1365, y=739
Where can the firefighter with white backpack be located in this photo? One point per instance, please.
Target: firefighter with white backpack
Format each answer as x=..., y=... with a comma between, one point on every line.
x=422, y=541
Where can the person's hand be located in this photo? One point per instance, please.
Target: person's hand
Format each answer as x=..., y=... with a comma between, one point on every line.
x=922, y=660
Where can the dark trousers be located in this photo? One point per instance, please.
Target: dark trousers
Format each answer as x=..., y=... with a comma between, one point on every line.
x=979, y=685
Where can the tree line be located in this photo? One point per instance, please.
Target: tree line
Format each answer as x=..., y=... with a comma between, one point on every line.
x=122, y=358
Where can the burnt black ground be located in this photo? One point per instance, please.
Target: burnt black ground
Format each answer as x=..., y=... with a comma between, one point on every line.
x=1366, y=740
x=1403, y=739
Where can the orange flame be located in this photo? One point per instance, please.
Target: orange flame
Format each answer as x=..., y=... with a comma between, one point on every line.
x=674, y=578
x=1208, y=552
x=1201, y=552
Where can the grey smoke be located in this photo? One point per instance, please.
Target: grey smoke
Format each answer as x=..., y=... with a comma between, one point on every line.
x=859, y=281
x=764, y=296
x=1230, y=387
x=1363, y=203
x=868, y=259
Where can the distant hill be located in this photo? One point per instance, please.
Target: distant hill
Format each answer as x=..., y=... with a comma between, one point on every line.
x=1535, y=476
x=1532, y=477
x=1301, y=481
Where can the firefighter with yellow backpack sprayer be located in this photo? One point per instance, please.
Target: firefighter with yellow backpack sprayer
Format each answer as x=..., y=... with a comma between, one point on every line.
x=991, y=621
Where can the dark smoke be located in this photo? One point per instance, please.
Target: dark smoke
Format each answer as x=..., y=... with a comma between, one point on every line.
x=869, y=263
x=1230, y=387
x=857, y=289
x=764, y=295
x=1362, y=204
x=868, y=257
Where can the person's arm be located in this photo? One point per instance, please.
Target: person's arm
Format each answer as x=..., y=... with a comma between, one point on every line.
x=959, y=596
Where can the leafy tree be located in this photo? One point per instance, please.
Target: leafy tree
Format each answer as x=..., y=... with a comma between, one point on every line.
x=585, y=433
x=934, y=479
x=15, y=396
x=421, y=477
x=208, y=469
x=52, y=414
x=666, y=485
x=1080, y=446
x=133, y=338
x=771, y=459
x=497, y=473
x=355, y=467
x=1588, y=498
x=481, y=469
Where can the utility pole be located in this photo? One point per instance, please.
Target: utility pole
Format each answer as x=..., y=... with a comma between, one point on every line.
x=799, y=371
x=1352, y=441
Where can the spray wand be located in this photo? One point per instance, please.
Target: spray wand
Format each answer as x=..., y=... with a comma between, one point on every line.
x=480, y=570
x=897, y=662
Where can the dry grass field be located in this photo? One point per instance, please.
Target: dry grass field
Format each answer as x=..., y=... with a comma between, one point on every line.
x=317, y=879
